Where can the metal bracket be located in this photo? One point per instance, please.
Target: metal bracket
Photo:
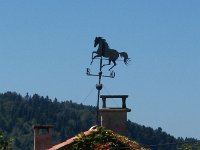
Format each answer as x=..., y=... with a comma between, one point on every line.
x=112, y=73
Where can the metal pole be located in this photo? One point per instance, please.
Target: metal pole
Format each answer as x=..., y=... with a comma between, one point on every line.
x=99, y=87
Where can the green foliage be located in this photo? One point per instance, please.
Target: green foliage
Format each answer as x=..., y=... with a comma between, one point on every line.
x=91, y=141
x=5, y=143
x=190, y=146
x=102, y=139
x=154, y=139
x=158, y=139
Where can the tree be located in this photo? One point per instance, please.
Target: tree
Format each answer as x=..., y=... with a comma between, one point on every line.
x=5, y=143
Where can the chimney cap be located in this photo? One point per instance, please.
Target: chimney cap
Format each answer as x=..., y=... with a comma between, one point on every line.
x=42, y=126
x=113, y=96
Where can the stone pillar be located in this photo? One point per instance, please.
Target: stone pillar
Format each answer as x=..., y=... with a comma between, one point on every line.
x=42, y=137
x=114, y=118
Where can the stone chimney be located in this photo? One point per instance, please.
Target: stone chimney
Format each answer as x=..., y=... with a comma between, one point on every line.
x=42, y=137
x=114, y=118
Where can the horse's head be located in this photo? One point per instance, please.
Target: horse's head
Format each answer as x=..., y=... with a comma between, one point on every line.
x=97, y=41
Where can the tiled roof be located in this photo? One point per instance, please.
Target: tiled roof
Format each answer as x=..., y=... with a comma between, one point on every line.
x=68, y=142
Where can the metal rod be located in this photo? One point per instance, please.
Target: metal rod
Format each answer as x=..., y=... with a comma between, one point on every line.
x=101, y=75
x=97, y=121
x=98, y=96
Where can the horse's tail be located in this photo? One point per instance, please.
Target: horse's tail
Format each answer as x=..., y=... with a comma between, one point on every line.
x=125, y=56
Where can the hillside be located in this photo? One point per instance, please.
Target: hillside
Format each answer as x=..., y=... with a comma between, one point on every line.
x=18, y=114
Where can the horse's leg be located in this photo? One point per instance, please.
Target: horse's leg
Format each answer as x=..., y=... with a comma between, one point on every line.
x=113, y=65
x=92, y=57
x=107, y=64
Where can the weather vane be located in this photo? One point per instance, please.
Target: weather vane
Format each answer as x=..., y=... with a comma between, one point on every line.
x=111, y=55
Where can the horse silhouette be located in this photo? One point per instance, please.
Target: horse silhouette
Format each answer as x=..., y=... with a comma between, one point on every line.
x=105, y=51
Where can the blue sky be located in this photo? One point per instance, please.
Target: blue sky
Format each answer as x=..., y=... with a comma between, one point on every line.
x=46, y=47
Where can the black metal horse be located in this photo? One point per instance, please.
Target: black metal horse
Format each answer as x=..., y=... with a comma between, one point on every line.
x=104, y=51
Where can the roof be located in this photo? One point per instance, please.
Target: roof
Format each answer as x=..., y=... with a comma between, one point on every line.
x=68, y=142
x=98, y=138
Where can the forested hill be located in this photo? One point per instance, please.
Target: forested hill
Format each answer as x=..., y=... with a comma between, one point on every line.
x=18, y=114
